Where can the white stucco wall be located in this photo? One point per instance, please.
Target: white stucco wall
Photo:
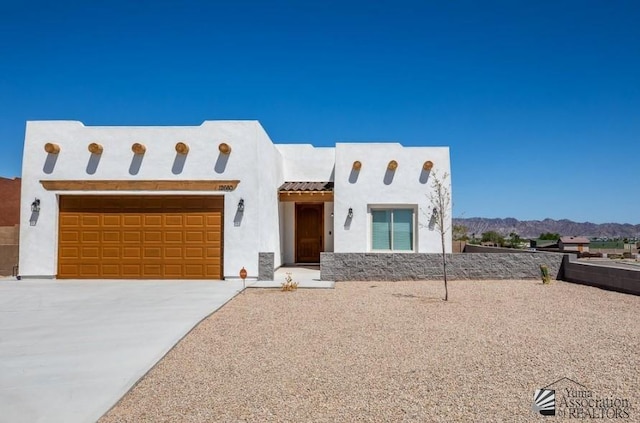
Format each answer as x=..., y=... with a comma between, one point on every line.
x=289, y=219
x=304, y=162
x=250, y=145
x=373, y=186
x=328, y=227
x=270, y=176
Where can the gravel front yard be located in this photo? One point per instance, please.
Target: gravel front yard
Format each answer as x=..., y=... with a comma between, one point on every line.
x=393, y=352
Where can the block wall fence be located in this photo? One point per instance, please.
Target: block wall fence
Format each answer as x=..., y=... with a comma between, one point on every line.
x=398, y=267
x=517, y=264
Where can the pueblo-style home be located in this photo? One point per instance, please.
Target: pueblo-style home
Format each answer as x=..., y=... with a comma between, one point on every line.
x=202, y=202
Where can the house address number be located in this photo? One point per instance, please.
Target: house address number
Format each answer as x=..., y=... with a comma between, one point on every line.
x=223, y=187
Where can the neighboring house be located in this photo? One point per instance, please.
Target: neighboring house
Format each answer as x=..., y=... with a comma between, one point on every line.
x=202, y=202
x=574, y=243
x=9, y=224
x=9, y=201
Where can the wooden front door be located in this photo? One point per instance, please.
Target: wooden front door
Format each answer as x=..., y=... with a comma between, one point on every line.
x=309, y=230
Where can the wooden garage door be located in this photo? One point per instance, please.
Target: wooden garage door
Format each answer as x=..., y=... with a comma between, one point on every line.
x=140, y=237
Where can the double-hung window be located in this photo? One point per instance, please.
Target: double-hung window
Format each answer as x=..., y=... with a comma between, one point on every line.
x=392, y=229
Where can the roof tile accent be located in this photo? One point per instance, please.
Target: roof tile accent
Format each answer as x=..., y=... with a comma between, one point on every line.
x=306, y=186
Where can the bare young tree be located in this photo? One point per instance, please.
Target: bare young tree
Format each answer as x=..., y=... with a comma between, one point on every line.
x=440, y=202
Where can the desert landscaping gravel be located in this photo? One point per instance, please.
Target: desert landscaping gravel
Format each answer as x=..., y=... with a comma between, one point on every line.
x=395, y=352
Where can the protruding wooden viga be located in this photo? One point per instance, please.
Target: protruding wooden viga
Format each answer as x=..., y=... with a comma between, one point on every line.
x=95, y=148
x=182, y=148
x=138, y=148
x=52, y=148
x=224, y=148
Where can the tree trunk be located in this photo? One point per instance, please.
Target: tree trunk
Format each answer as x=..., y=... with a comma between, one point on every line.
x=444, y=269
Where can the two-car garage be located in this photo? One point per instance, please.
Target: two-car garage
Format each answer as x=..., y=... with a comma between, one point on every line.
x=140, y=237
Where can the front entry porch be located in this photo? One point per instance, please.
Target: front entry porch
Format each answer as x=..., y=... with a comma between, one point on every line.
x=306, y=221
x=307, y=277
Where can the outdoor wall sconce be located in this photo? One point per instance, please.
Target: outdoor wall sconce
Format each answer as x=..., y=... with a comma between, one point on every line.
x=35, y=206
x=393, y=165
x=357, y=165
x=224, y=148
x=182, y=148
x=138, y=148
x=428, y=165
x=435, y=213
x=52, y=148
x=241, y=205
x=95, y=148
x=350, y=213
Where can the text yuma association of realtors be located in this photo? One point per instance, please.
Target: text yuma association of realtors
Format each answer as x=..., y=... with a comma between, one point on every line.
x=576, y=403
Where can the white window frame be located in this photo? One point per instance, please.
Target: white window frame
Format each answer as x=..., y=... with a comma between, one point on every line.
x=392, y=207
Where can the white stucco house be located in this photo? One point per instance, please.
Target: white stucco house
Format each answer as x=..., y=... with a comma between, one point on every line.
x=202, y=202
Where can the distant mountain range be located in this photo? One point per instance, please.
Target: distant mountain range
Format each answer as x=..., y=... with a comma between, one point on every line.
x=533, y=228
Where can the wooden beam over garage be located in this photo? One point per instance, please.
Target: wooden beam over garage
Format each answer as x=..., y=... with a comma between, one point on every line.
x=111, y=185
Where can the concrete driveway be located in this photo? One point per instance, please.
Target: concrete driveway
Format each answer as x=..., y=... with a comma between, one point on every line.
x=69, y=350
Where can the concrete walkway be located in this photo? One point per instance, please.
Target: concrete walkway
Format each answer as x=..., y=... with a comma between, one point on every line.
x=306, y=276
x=69, y=350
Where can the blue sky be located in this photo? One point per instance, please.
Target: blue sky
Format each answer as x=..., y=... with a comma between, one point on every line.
x=539, y=101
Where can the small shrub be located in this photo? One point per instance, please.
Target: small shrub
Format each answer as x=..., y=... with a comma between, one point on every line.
x=289, y=284
x=544, y=271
